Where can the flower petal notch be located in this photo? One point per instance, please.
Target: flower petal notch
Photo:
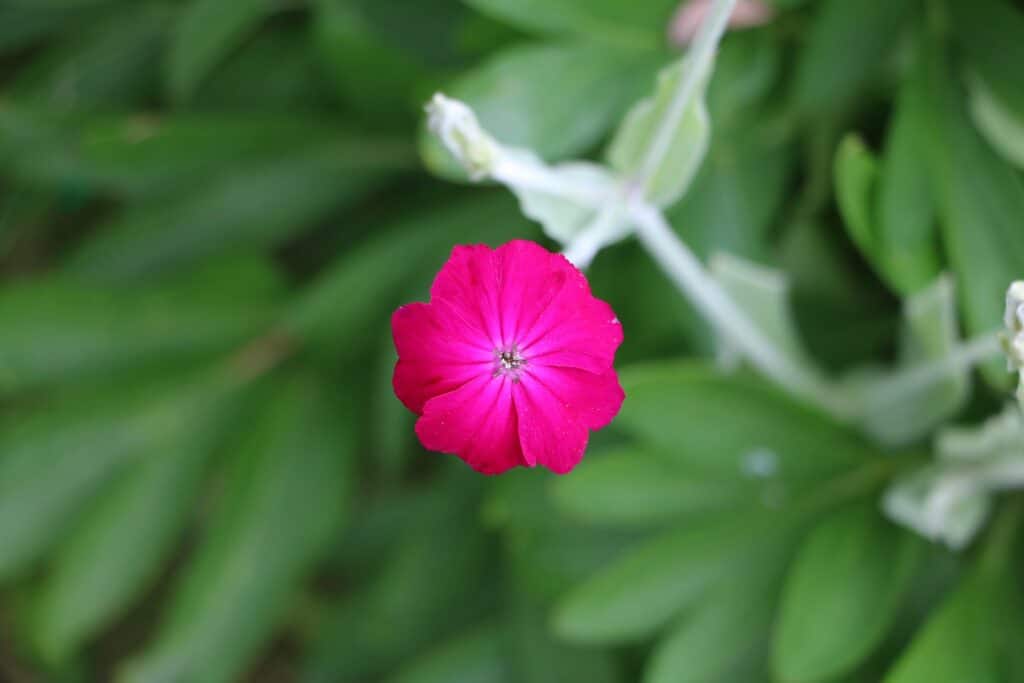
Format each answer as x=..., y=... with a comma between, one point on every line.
x=511, y=362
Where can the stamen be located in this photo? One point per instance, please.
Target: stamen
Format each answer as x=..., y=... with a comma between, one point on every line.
x=511, y=360
x=508, y=362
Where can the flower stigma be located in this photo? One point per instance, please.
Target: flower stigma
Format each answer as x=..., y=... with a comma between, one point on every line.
x=509, y=362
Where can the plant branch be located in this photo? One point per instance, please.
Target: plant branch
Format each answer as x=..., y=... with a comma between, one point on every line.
x=715, y=304
x=529, y=176
x=584, y=247
x=685, y=270
x=699, y=63
x=912, y=380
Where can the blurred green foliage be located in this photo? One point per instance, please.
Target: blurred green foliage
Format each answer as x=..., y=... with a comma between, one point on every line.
x=208, y=211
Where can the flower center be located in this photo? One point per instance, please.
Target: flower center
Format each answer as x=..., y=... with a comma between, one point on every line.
x=508, y=362
x=511, y=360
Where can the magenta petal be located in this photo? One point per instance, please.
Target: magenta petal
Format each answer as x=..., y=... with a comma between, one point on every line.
x=476, y=422
x=470, y=282
x=436, y=354
x=593, y=399
x=549, y=433
x=531, y=277
x=436, y=332
x=576, y=331
x=417, y=381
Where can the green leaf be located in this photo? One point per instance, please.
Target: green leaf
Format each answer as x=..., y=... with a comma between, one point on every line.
x=106, y=62
x=438, y=33
x=363, y=286
x=629, y=486
x=548, y=553
x=116, y=550
x=907, y=229
x=24, y=210
x=473, y=657
x=980, y=201
x=274, y=71
x=1002, y=127
x=687, y=145
x=638, y=594
x=856, y=172
x=392, y=425
x=376, y=521
x=960, y=641
x=843, y=594
x=433, y=585
x=832, y=68
x=58, y=330
x=536, y=657
x=53, y=459
x=763, y=293
x=680, y=409
x=208, y=31
x=1011, y=627
x=990, y=32
x=736, y=196
x=930, y=334
x=529, y=96
x=845, y=317
x=367, y=72
x=138, y=156
x=518, y=650
x=56, y=4
x=241, y=213
x=725, y=637
x=636, y=25
x=887, y=208
x=284, y=496
x=900, y=413
x=748, y=66
x=22, y=26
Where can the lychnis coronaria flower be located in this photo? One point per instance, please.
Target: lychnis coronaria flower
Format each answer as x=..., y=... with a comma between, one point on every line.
x=511, y=361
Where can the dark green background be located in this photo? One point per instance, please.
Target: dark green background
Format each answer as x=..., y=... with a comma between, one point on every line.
x=208, y=211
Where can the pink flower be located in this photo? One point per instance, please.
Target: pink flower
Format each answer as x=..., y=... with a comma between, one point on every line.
x=511, y=361
x=688, y=18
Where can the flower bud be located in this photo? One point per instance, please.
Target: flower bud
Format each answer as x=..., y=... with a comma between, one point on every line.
x=459, y=130
x=1013, y=338
x=1015, y=308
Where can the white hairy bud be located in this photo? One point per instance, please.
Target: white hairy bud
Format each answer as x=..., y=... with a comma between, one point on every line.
x=1013, y=338
x=1014, y=320
x=457, y=127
